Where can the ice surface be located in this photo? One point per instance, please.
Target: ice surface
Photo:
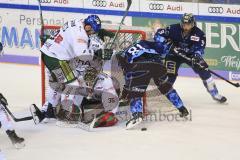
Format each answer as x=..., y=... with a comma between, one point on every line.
x=213, y=133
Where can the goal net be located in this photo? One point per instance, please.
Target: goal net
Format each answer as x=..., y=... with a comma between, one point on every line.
x=153, y=102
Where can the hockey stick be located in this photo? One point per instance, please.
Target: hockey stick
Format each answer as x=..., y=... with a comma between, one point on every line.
x=81, y=125
x=41, y=19
x=4, y=103
x=207, y=69
x=17, y=119
x=129, y=3
x=42, y=42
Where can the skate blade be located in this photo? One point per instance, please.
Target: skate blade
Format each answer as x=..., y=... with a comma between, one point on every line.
x=134, y=124
x=19, y=145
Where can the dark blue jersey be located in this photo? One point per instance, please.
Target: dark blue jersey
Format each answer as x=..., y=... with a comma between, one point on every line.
x=143, y=48
x=193, y=43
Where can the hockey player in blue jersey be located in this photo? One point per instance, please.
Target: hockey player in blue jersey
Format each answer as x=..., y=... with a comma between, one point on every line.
x=142, y=62
x=186, y=38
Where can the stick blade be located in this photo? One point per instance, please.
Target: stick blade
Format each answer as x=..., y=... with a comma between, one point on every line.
x=237, y=85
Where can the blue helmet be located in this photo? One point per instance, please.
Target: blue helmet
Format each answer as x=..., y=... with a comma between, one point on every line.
x=188, y=18
x=94, y=21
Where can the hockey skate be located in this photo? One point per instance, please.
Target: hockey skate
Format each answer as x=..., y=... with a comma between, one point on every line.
x=135, y=121
x=219, y=98
x=183, y=111
x=37, y=115
x=18, y=142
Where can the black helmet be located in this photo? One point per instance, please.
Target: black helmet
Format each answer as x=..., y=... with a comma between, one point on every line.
x=188, y=18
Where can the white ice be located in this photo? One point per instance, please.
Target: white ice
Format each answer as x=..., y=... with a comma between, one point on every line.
x=213, y=133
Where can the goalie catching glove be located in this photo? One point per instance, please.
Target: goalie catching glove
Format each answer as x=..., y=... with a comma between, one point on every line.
x=105, y=119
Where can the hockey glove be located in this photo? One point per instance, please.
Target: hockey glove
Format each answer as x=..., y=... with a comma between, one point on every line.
x=105, y=119
x=3, y=100
x=104, y=54
x=198, y=61
x=175, y=50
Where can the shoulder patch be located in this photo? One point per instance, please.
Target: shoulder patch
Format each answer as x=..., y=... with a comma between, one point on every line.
x=195, y=38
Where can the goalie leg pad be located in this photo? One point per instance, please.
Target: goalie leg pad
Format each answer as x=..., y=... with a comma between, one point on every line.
x=105, y=90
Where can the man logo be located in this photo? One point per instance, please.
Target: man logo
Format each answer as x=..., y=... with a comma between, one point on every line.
x=99, y=3
x=218, y=10
x=45, y=1
x=156, y=6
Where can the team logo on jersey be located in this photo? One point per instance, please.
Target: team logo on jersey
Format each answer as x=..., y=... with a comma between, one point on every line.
x=218, y=10
x=171, y=67
x=195, y=38
x=156, y=6
x=99, y=3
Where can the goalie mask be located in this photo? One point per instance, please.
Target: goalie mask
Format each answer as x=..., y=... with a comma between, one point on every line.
x=90, y=75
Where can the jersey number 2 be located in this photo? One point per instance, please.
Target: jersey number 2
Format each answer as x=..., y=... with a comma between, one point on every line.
x=58, y=39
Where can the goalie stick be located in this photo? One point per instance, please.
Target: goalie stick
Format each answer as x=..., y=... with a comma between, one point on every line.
x=214, y=73
x=81, y=125
x=129, y=3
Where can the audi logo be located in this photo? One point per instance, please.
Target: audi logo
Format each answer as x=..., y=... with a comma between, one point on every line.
x=45, y=1
x=156, y=6
x=99, y=3
x=215, y=10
